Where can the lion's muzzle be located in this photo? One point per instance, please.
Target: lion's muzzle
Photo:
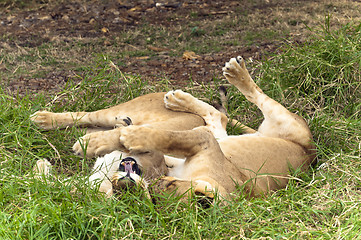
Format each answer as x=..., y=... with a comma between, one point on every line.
x=127, y=176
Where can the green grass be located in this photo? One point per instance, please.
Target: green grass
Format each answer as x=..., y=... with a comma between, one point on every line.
x=319, y=80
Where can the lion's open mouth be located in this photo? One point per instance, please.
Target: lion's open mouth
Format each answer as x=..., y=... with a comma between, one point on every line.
x=128, y=175
x=129, y=166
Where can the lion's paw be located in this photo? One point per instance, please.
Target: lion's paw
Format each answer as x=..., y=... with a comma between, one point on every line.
x=178, y=101
x=42, y=167
x=136, y=138
x=44, y=120
x=123, y=121
x=184, y=188
x=235, y=70
x=237, y=74
x=98, y=143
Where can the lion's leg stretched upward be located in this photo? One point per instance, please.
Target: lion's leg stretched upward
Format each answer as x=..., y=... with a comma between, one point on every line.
x=278, y=121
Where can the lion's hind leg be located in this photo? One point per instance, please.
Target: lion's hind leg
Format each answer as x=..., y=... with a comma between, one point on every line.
x=278, y=122
x=102, y=118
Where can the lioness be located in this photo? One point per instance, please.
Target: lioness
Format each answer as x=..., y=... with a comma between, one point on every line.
x=181, y=126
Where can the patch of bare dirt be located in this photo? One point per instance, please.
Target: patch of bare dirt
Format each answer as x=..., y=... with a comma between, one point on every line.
x=67, y=20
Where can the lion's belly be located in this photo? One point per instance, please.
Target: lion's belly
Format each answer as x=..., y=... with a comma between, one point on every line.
x=257, y=156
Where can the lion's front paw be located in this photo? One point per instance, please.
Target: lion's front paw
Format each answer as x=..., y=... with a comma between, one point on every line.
x=44, y=120
x=98, y=143
x=184, y=188
x=178, y=101
x=136, y=138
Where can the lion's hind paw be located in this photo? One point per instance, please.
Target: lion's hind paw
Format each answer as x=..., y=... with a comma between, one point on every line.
x=43, y=119
x=234, y=68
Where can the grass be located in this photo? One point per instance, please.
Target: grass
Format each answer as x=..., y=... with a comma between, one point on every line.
x=319, y=80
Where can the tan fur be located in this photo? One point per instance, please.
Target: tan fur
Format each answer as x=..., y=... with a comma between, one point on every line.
x=214, y=162
x=144, y=110
x=148, y=110
x=260, y=162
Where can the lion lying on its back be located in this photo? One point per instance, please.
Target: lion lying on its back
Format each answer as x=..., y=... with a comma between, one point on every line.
x=182, y=142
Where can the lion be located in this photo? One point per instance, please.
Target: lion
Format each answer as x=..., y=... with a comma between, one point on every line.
x=173, y=142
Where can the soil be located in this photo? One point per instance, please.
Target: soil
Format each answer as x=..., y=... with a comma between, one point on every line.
x=31, y=26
